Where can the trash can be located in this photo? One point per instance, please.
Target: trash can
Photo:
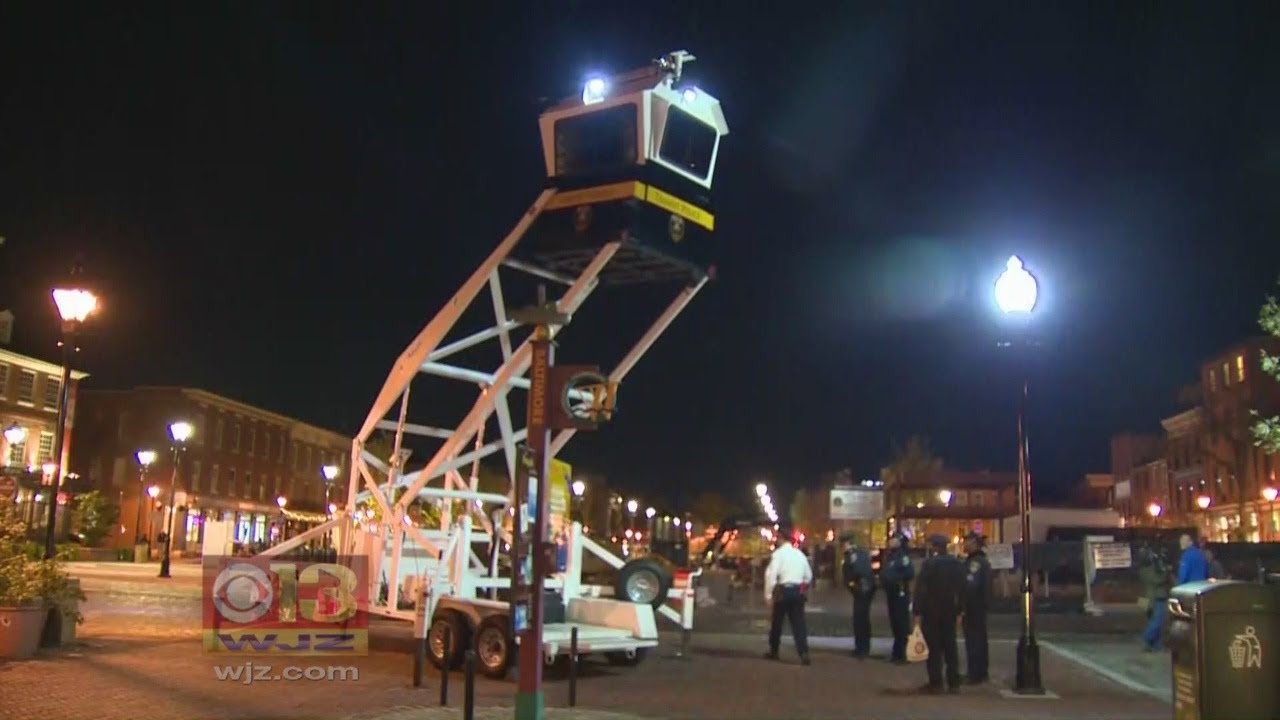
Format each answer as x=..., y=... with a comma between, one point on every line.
x=141, y=552
x=1225, y=641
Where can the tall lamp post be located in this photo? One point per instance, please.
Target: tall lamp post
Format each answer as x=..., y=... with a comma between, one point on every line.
x=330, y=473
x=145, y=458
x=180, y=432
x=1016, y=292
x=1269, y=494
x=649, y=513
x=632, y=507
x=75, y=303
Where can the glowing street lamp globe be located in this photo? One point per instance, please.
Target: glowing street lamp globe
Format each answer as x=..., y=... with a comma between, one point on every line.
x=1204, y=501
x=1016, y=289
x=181, y=431
x=632, y=506
x=945, y=496
x=74, y=304
x=579, y=488
x=1154, y=510
x=330, y=472
x=650, y=512
x=1269, y=494
x=282, y=501
x=146, y=457
x=762, y=490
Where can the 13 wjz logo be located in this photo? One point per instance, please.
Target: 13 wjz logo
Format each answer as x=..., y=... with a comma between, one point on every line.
x=285, y=607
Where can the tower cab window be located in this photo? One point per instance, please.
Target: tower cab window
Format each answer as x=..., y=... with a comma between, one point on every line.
x=598, y=142
x=687, y=143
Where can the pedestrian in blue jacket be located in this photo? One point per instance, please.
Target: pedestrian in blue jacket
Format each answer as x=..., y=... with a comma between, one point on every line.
x=1193, y=567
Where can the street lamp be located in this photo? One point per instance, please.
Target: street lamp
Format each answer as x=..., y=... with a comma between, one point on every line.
x=761, y=490
x=15, y=435
x=944, y=496
x=1154, y=510
x=75, y=304
x=1203, y=502
x=1016, y=291
x=180, y=432
x=1269, y=494
x=145, y=458
x=579, y=488
x=282, y=501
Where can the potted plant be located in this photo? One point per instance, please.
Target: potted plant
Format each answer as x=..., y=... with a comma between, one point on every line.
x=31, y=592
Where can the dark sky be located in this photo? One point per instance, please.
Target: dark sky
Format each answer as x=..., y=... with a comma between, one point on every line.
x=277, y=196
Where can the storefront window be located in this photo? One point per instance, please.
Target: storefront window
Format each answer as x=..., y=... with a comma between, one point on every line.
x=259, y=528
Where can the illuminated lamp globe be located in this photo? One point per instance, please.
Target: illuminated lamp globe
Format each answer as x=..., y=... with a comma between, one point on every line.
x=153, y=491
x=632, y=506
x=1269, y=494
x=146, y=457
x=594, y=90
x=688, y=95
x=1154, y=509
x=762, y=490
x=579, y=488
x=282, y=501
x=650, y=512
x=15, y=434
x=1016, y=289
x=74, y=304
x=944, y=496
x=330, y=472
x=181, y=431
x=1203, y=502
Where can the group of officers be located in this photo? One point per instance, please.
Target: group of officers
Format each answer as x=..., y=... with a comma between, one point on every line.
x=946, y=589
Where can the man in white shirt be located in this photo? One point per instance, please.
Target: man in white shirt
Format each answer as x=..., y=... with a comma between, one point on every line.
x=786, y=585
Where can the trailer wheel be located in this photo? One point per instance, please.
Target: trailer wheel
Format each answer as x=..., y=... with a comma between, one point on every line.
x=644, y=581
x=626, y=658
x=493, y=647
x=456, y=627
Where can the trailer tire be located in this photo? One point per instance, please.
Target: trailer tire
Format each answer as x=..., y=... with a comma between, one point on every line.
x=493, y=646
x=626, y=658
x=643, y=580
x=459, y=640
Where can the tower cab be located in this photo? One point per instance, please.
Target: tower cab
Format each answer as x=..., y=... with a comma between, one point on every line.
x=632, y=160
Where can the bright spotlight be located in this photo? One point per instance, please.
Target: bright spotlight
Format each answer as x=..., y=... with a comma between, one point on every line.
x=594, y=91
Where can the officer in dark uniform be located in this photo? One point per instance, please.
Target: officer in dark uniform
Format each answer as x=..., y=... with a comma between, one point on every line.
x=977, y=602
x=940, y=592
x=896, y=574
x=861, y=581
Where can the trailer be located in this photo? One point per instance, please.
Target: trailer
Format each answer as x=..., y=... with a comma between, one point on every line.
x=629, y=165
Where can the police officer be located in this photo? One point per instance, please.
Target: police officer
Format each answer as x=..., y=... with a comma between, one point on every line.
x=977, y=601
x=940, y=592
x=896, y=574
x=861, y=581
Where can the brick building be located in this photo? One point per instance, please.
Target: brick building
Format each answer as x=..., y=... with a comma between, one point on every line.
x=1204, y=470
x=239, y=461
x=30, y=391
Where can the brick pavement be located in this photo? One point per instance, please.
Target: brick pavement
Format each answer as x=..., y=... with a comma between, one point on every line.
x=147, y=663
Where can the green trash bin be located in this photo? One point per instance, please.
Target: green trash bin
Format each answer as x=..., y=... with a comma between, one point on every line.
x=1225, y=641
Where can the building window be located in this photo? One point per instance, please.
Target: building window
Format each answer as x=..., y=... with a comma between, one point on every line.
x=213, y=480
x=248, y=484
x=45, y=451
x=262, y=491
x=297, y=456
x=52, y=393
x=266, y=444
x=235, y=437
x=253, y=440
x=280, y=451
x=1226, y=374
x=27, y=387
x=231, y=482
x=195, y=476
x=1213, y=381
x=1240, y=368
x=18, y=454
x=977, y=499
x=217, y=434
x=4, y=380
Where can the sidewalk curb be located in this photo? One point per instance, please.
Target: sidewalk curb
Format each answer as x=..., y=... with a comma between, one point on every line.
x=1108, y=673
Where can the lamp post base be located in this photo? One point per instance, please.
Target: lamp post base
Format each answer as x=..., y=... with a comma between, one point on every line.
x=530, y=705
x=1027, y=681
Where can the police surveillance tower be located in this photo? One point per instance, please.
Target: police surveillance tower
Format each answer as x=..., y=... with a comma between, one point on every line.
x=630, y=163
x=632, y=160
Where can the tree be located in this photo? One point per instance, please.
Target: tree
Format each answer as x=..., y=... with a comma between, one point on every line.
x=94, y=516
x=1266, y=430
x=915, y=455
x=712, y=508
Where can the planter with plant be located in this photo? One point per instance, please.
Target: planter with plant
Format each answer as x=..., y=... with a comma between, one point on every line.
x=33, y=593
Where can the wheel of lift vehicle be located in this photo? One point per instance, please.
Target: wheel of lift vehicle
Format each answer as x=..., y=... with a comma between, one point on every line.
x=494, y=647
x=643, y=580
x=626, y=658
x=456, y=626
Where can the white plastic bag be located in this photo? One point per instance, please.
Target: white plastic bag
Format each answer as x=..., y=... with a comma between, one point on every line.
x=917, y=648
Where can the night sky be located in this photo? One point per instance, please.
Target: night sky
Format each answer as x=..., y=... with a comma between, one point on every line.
x=275, y=197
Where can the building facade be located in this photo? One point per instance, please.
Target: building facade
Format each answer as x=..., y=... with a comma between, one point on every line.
x=30, y=391
x=259, y=470
x=949, y=502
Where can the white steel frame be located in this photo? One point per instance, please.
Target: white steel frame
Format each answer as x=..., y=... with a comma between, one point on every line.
x=426, y=354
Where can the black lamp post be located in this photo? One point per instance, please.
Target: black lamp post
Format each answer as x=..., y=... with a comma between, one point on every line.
x=75, y=303
x=1016, y=291
x=145, y=458
x=180, y=432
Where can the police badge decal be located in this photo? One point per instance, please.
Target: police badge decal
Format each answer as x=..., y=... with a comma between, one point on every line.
x=675, y=228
